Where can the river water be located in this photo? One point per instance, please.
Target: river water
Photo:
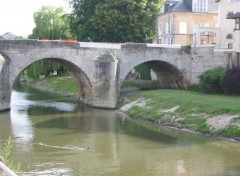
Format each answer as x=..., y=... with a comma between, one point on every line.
x=55, y=137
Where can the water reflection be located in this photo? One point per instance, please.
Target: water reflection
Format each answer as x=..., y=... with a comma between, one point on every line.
x=21, y=126
x=53, y=138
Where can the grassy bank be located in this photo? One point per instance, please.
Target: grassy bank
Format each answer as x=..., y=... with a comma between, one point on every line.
x=142, y=84
x=185, y=109
x=58, y=83
x=211, y=114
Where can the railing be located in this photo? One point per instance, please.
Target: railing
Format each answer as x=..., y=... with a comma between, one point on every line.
x=5, y=170
x=226, y=46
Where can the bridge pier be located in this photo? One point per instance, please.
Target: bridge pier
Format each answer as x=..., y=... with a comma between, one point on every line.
x=5, y=90
x=105, y=81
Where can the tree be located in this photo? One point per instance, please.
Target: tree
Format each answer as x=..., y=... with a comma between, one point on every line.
x=126, y=20
x=51, y=23
x=80, y=19
x=115, y=20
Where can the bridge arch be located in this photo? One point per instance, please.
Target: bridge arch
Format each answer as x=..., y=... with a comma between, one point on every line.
x=168, y=75
x=81, y=79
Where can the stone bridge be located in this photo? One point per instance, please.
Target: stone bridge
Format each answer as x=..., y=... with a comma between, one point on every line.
x=100, y=68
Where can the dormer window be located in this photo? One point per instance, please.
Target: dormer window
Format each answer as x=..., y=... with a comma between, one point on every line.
x=200, y=5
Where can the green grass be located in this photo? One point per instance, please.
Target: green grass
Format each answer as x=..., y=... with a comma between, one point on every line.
x=137, y=112
x=191, y=102
x=230, y=131
x=141, y=84
x=60, y=83
x=194, y=109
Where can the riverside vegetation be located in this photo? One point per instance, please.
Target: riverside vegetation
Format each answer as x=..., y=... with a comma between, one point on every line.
x=6, y=153
x=213, y=114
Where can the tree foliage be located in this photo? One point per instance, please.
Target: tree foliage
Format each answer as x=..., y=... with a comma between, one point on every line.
x=51, y=23
x=114, y=20
x=126, y=20
x=80, y=19
x=43, y=68
x=144, y=71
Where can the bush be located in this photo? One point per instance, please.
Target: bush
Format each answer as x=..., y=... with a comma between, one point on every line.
x=193, y=87
x=211, y=81
x=232, y=81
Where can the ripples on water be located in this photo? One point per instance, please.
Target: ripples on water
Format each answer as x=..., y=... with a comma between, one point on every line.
x=52, y=138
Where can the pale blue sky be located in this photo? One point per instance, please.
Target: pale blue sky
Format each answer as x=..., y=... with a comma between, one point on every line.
x=16, y=16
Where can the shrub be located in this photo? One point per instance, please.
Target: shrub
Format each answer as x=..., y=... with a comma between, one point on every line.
x=232, y=81
x=193, y=87
x=211, y=81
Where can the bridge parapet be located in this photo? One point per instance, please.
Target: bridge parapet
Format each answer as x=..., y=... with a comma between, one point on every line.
x=33, y=44
x=101, y=45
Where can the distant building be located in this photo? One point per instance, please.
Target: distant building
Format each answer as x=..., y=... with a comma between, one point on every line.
x=7, y=36
x=229, y=30
x=187, y=22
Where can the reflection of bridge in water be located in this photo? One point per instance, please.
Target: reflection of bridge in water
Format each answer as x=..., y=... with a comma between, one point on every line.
x=100, y=68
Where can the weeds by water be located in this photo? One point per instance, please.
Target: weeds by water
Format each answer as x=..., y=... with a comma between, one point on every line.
x=7, y=158
x=230, y=131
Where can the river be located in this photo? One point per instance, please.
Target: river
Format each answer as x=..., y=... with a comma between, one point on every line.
x=56, y=137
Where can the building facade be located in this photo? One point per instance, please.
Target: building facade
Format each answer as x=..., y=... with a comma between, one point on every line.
x=187, y=22
x=229, y=30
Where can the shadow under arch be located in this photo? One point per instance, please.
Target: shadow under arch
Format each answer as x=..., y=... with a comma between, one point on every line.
x=82, y=81
x=167, y=74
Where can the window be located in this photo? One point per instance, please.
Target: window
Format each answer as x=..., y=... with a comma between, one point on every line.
x=159, y=30
x=166, y=28
x=182, y=28
x=237, y=24
x=200, y=5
